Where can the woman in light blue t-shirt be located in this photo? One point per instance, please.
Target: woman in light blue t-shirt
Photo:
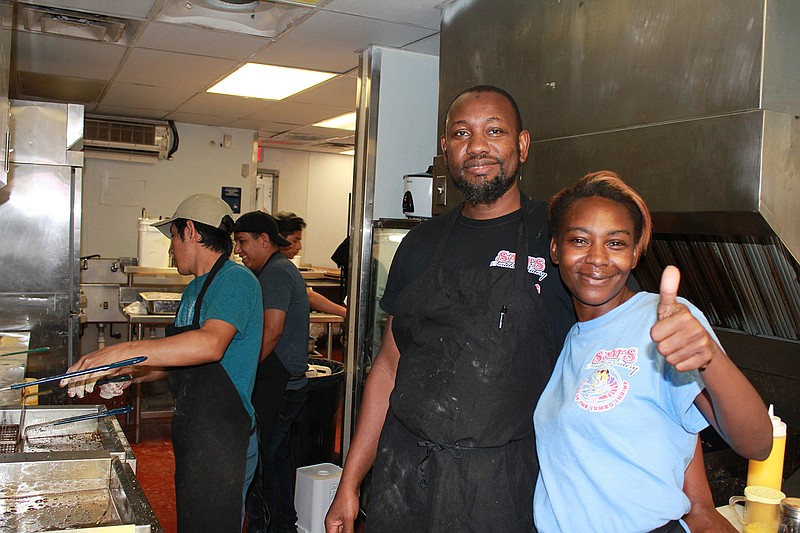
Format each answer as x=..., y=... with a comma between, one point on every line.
x=639, y=376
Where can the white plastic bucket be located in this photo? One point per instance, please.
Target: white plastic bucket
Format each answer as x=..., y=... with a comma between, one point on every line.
x=315, y=487
x=153, y=245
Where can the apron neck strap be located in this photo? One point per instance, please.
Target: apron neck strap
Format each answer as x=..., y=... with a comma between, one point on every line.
x=206, y=284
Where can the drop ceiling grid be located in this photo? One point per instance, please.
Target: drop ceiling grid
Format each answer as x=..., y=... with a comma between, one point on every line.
x=332, y=41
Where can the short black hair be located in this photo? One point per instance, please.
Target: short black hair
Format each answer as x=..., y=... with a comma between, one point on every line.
x=215, y=239
x=496, y=90
x=289, y=222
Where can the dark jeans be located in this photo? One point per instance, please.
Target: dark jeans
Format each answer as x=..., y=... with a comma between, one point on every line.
x=277, y=475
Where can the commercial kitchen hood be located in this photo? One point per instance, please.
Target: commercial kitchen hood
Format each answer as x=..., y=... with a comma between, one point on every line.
x=695, y=104
x=725, y=196
x=702, y=119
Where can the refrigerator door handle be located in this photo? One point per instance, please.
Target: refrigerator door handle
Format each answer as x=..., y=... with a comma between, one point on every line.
x=7, y=154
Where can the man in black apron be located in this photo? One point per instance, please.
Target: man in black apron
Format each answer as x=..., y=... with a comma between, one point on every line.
x=281, y=384
x=478, y=315
x=210, y=355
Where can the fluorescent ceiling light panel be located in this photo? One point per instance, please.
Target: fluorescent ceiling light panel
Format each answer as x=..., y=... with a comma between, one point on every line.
x=342, y=122
x=254, y=80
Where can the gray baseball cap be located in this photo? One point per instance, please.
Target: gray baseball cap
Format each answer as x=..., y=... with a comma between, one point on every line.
x=202, y=208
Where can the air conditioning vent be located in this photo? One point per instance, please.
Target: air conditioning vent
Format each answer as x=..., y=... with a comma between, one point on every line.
x=126, y=140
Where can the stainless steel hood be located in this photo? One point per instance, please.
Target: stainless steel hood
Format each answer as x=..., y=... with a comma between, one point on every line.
x=695, y=104
x=725, y=196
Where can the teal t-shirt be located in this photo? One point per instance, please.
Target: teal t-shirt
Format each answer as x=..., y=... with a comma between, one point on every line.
x=234, y=297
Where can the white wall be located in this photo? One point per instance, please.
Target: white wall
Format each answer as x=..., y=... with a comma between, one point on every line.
x=316, y=187
x=114, y=192
x=313, y=185
x=407, y=115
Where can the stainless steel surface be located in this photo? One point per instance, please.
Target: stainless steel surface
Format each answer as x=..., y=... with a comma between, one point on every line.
x=362, y=213
x=69, y=492
x=102, y=303
x=161, y=303
x=99, y=434
x=42, y=132
x=40, y=209
x=582, y=67
x=695, y=175
x=6, y=21
x=694, y=104
x=329, y=320
x=790, y=516
x=46, y=431
x=103, y=271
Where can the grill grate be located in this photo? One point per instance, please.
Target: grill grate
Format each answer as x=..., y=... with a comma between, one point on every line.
x=8, y=438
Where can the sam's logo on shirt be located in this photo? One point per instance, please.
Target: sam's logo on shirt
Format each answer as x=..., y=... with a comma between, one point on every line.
x=506, y=259
x=605, y=388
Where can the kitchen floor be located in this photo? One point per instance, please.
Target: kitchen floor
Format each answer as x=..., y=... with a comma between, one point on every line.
x=156, y=465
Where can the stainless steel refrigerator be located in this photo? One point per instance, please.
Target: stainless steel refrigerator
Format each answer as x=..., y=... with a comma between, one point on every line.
x=40, y=216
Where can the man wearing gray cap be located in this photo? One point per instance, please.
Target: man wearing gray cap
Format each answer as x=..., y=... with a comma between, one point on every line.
x=210, y=355
x=281, y=383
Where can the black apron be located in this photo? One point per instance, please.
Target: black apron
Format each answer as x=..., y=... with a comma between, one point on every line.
x=457, y=451
x=210, y=434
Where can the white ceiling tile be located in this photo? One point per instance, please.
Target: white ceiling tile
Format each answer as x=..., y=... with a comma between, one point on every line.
x=198, y=41
x=331, y=133
x=165, y=69
x=423, y=13
x=314, y=45
x=144, y=96
x=63, y=56
x=339, y=91
x=233, y=107
x=289, y=113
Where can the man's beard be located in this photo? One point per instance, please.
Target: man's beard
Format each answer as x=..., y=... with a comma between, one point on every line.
x=485, y=192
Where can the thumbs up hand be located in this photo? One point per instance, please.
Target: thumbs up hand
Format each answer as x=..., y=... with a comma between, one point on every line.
x=680, y=337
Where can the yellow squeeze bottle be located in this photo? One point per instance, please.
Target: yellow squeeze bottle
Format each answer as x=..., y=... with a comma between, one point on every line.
x=769, y=472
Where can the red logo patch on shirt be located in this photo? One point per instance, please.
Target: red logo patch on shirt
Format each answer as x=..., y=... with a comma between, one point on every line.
x=506, y=259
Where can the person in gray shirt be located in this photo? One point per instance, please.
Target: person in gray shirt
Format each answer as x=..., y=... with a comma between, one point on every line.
x=281, y=384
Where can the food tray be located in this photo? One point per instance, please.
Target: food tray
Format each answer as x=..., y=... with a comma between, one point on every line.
x=161, y=303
